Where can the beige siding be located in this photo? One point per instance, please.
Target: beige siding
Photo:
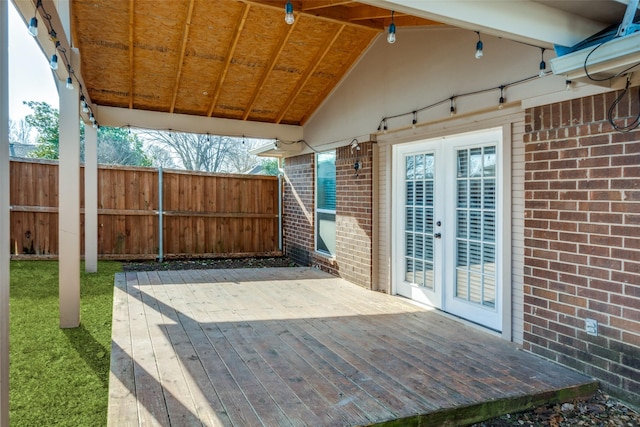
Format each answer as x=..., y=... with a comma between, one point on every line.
x=517, y=230
x=384, y=209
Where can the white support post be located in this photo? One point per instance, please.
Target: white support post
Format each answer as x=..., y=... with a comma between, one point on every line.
x=90, y=199
x=69, y=205
x=5, y=242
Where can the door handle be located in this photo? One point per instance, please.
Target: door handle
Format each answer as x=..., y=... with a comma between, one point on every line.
x=437, y=235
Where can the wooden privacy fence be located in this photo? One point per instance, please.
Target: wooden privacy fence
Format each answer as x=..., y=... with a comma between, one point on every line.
x=200, y=214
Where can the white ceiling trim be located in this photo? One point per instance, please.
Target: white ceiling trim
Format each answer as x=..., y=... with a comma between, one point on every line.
x=520, y=20
x=123, y=117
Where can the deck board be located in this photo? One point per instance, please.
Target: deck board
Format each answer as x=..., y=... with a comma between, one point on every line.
x=298, y=347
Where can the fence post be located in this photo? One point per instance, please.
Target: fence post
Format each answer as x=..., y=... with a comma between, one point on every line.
x=280, y=212
x=160, y=216
x=5, y=239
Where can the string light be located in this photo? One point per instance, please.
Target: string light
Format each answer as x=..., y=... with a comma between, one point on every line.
x=53, y=63
x=288, y=9
x=543, y=65
x=383, y=125
x=479, y=47
x=391, y=37
x=69, y=83
x=414, y=122
x=92, y=119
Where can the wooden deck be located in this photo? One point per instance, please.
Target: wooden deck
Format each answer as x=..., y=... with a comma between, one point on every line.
x=295, y=346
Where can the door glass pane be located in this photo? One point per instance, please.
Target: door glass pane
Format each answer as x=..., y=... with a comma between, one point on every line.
x=419, y=199
x=476, y=226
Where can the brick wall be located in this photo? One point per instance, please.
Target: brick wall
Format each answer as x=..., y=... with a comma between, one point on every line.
x=353, y=214
x=298, y=205
x=582, y=240
x=354, y=207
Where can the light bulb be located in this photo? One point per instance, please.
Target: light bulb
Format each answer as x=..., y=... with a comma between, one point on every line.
x=85, y=107
x=95, y=125
x=479, y=51
x=54, y=62
x=69, y=83
x=452, y=111
x=288, y=17
x=543, y=68
x=92, y=119
x=501, y=103
x=33, y=27
x=391, y=37
x=568, y=85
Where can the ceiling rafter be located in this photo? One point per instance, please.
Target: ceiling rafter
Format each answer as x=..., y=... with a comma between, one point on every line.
x=183, y=49
x=329, y=14
x=267, y=72
x=131, y=29
x=331, y=86
x=321, y=4
x=230, y=53
x=315, y=63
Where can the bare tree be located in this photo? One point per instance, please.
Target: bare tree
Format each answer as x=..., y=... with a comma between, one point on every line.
x=20, y=132
x=207, y=153
x=160, y=157
x=240, y=159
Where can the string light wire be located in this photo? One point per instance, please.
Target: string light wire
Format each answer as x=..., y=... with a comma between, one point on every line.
x=65, y=59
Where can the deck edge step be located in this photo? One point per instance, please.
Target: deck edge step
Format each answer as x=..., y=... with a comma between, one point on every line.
x=467, y=415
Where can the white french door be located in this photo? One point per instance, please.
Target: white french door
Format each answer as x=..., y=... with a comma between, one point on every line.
x=447, y=225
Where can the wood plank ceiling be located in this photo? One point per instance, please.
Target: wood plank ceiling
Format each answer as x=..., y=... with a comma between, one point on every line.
x=231, y=59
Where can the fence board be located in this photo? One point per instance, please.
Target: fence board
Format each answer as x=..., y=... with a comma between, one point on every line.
x=205, y=215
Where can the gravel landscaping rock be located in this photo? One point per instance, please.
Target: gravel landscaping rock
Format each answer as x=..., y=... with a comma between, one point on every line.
x=601, y=411
x=206, y=264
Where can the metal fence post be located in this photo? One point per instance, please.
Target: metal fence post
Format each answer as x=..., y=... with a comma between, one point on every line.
x=280, y=212
x=160, y=217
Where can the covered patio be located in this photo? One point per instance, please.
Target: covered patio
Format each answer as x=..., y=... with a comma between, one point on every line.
x=297, y=346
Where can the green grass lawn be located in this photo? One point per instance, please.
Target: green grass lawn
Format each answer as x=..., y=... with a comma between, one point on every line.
x=59, y=376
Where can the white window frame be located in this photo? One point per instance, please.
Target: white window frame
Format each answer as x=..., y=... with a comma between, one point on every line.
x=321, y=210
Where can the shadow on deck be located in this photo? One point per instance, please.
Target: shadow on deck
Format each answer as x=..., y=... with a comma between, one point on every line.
x=295, y=346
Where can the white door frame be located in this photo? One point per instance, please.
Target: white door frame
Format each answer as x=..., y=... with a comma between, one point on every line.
x=503, y=237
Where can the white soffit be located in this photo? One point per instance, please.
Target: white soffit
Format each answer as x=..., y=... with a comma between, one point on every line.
x=520, y=20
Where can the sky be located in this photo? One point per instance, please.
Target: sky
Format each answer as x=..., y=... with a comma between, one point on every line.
x=30, y=77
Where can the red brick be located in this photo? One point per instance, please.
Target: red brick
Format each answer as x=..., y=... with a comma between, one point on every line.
x=579, y=280
x=563, y=247
x=563, y=308
x=625, y=183
x=605, y=195
x=605, y=218
x=606, y=150
x=572, y=300
x=631, y=160
x=593, y=272
x=573, y=195
x=631, y=172
x=573, y=174
x=559, y=205
x=563, y=164
x=573, y=258
x=596, y=239
x=594, y=140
